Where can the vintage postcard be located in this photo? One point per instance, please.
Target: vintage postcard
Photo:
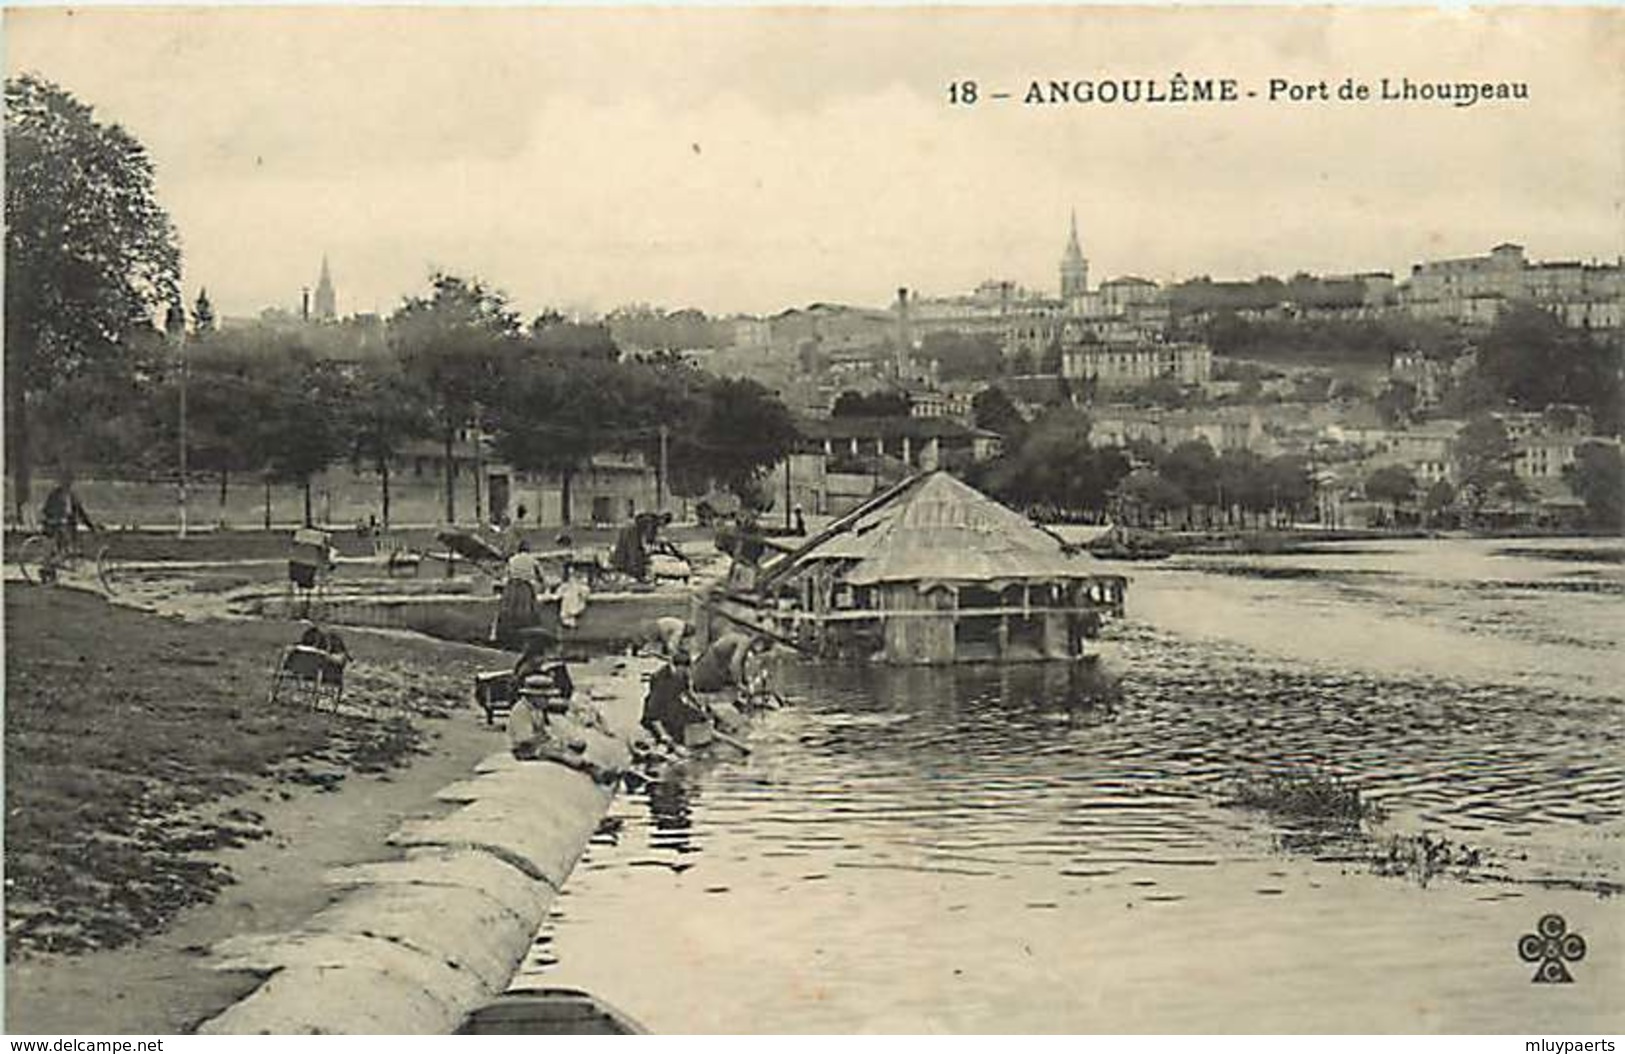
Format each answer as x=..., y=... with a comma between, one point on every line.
x=814, y=520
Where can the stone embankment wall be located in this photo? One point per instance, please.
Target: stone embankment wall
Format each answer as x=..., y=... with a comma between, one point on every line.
x=413, y=945
x=611, y=619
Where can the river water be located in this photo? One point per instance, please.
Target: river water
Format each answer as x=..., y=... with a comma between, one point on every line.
x=984, y=850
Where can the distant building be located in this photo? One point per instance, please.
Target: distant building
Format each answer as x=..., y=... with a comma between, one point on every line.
x=1430, y=377
x=1119, y=296
x=609, y=489
x=1129, y=365
x=1074, y=268
x=919, y=443
x=1226, y=428
x=326, y=299
x=1425, y=449
x=1474, y=289
x=1034, y=393
x=1545, y=442
x=939, y=402
x=752, y=333
x=1379, y=286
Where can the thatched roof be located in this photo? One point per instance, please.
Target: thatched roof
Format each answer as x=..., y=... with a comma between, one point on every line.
x=936, y=528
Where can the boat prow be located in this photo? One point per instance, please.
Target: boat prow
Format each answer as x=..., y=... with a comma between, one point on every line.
x=549, y=1012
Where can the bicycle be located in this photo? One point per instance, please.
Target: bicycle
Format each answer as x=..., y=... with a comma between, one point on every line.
x=45, y=560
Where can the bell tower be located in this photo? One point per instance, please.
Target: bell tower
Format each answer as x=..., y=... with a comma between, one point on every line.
x=326, y=299
x=1074, y=268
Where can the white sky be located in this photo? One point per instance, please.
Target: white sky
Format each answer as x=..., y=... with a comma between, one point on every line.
x=753, y=159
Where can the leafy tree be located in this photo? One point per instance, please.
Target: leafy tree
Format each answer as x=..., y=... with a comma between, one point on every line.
x=1396, y=403
x=1598, y=478
x=1147, y=496
x=232, y=396
x=1328, y=342
x=643, y=327
x=1022, y=364
x=1532, y=360
x=1162, y=391
x=104, y=416
x=553, y=335
x=1514, y=492
x=963, y=356
x=90, y=254
x=384, y=411
x=673, y=399
x=1470, y=395
x=303, y=432
x=1046, y=464
x=745, y=430
x=1291, y=484
x=1049, y=363
x=995, y=411
x=1438, y=499
x=553, y=416
x=453, y=347
x=1242, y=483
x=1483, y=455
x=1393, y=484
x=889, y=403
x=1193, y=467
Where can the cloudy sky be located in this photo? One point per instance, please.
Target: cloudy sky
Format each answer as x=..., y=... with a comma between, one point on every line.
x=748, y=160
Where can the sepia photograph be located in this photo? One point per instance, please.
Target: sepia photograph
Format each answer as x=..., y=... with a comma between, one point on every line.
x=814, y=520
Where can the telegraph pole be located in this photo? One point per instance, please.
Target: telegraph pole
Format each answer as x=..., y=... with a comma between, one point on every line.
x=480, y=496
x=661, y=482
x=175, y=325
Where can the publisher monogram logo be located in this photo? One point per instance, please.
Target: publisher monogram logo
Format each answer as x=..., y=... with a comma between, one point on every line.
x=1553, y=946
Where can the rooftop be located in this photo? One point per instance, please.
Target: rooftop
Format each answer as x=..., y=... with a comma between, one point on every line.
x=920, y=428
x=935, y=528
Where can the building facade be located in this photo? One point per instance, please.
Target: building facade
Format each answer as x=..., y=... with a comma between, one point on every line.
x=1117, y=365
x=1474, y=289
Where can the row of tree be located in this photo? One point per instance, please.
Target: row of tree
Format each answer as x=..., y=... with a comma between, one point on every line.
x=261, y=402
x=1052, y=466
x=1484, y=455
x=91, y=260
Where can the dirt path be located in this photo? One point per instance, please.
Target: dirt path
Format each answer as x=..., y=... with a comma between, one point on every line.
x=161, y=984
x=131, y=737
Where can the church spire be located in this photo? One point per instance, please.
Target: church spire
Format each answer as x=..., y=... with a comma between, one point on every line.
x=1074, y=268
x=326, y=299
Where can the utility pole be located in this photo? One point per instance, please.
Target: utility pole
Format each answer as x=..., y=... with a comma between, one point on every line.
x=661, y=479
x=175, y=325
x=787, y=523
x=479, y=467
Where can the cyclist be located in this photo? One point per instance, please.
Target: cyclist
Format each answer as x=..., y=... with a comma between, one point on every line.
x=62, y=515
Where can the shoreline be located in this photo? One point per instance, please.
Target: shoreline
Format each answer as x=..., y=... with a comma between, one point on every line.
x=205, y=784
x=1148, y=543
x=441, y=927
x=164, y=984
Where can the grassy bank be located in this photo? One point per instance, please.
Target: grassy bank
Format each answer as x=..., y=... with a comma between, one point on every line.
x=128, y=735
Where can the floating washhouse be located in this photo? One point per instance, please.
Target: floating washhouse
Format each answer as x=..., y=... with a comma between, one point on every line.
x=933, y=572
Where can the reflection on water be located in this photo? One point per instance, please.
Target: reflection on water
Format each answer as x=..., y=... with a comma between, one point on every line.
x=989, y=848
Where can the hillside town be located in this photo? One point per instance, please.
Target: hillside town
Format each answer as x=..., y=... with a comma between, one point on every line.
x=1478, y=391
